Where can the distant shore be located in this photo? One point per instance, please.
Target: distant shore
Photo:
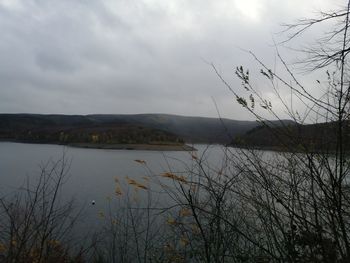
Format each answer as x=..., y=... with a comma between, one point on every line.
x=146, y=147
x=143, y=147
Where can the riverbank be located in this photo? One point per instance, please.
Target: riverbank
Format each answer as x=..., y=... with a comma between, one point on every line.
x=144, y=147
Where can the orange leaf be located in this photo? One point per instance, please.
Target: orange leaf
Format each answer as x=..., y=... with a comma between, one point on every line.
x=140, y=161
x=185, y=212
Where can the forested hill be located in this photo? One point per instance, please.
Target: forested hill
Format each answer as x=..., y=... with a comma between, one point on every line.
x=317, y=137
x=190, y=129
x=168, y=127
x=74, y=130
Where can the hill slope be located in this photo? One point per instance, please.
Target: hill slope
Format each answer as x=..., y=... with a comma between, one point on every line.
x=172, y=127
x=313, y=137
x=64, y=129
x=190, y=129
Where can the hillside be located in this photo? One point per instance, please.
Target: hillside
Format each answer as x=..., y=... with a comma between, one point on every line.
x=188, y=129
x=314, y=137
x=79, y=130
x=165, y=126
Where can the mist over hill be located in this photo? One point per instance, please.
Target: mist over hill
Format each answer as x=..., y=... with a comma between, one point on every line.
x=189, y=129
x=178, y=128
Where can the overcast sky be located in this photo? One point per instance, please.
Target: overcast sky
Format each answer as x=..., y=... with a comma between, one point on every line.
x=141, y=56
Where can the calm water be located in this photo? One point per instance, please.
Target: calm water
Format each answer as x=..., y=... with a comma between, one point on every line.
x=93, y=171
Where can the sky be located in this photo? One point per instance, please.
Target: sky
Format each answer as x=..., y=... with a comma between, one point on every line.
x=138, y=56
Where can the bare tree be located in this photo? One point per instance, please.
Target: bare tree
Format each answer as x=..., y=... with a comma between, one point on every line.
x=287, y=206
x=36, y=225
x=292, y=205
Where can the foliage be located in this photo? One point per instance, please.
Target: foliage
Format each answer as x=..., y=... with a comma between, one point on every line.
x=95, y=134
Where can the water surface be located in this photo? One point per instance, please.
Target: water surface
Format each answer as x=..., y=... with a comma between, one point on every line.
x=92, y=172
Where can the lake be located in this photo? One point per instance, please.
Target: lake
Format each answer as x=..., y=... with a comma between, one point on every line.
x=92, y=172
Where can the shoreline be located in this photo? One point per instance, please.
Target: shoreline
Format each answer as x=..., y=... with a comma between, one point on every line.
x=143, y=147
x=283, y=149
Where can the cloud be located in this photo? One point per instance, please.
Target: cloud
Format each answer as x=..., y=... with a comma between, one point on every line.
x=81, y=57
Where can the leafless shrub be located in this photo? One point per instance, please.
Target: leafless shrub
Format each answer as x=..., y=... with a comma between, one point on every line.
x=35, y=223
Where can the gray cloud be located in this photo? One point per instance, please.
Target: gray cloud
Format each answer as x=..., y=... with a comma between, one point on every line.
x=81, y=57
